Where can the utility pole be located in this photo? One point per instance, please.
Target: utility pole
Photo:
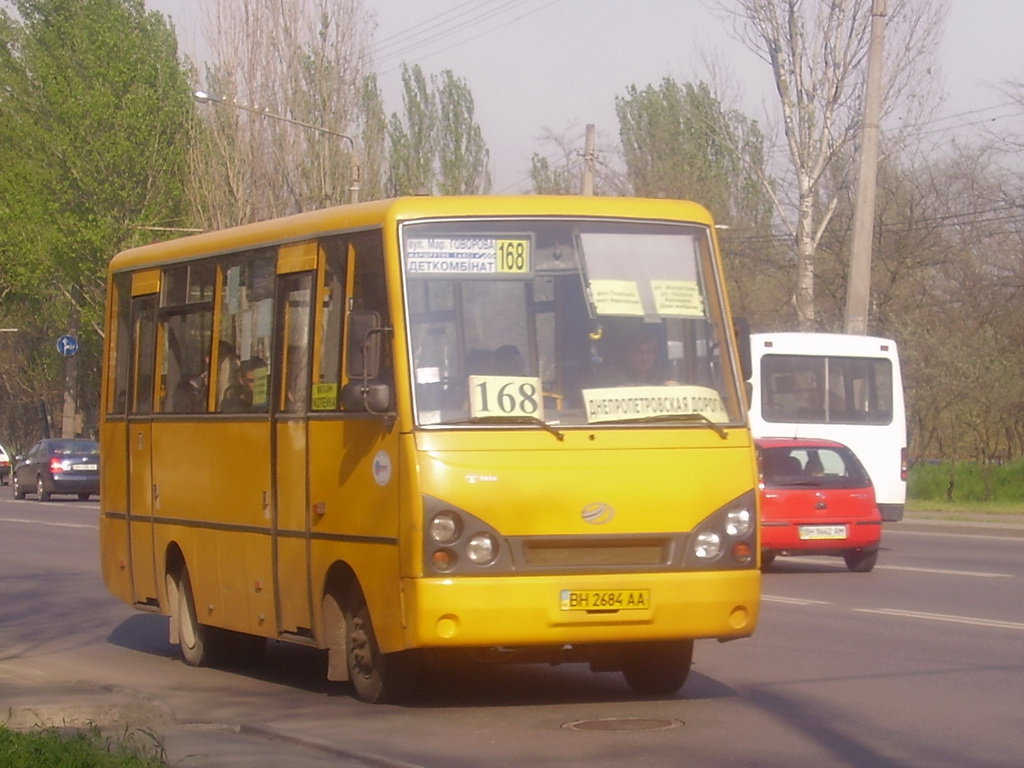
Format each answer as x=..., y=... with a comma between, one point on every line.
x=588, y=161
x=858, y=288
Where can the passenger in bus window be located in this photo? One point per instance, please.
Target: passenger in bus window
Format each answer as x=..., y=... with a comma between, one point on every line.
x=508, y=361
x=235, y=400
x=227, y=369
x=632, y=359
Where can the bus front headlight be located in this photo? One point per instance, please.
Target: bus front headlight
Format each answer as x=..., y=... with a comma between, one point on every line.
x=707, y=545
x=739, y=523
x=445, y=527
x=482, y=549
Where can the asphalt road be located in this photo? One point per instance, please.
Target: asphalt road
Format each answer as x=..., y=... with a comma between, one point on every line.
x=919, y=663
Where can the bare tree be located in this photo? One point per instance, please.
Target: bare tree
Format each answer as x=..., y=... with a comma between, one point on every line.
x=302, y=60
x=558, y=170
x=817, y=52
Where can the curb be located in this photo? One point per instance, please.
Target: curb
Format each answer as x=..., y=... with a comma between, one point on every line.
x=986, y=527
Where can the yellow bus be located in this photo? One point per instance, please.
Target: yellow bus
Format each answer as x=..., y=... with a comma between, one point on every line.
x=506, y=427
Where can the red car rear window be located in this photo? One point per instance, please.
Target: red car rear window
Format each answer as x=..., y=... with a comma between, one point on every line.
x=820, y=466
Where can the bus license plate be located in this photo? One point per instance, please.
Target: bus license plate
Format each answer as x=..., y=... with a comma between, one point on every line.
x=822, y=532
x=605, y=599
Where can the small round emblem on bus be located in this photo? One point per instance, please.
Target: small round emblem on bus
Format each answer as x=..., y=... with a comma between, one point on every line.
x=598, y=513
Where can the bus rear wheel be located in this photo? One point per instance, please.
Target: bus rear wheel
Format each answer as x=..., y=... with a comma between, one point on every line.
x=378, y=678
x=657, y=669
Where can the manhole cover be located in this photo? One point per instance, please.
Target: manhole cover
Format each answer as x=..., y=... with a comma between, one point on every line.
x=624, y=724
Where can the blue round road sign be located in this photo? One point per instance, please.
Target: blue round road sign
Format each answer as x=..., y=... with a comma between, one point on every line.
x=67, y=345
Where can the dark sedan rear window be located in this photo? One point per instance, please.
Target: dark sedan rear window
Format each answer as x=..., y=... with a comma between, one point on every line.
x=68, y=447
x=812, y=466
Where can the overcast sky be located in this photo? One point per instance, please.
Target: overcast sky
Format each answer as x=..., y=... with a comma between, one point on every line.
x=559, y=64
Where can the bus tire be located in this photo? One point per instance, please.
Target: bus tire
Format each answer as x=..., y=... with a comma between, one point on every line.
x=859, y=561
x=657, y=669
x=378, y=678
x=198, y=642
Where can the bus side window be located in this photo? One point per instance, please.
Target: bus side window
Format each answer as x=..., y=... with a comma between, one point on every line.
x=330, y=332
x=144, y=352
x=244, y=346
x=370, y=293
x=296, y=292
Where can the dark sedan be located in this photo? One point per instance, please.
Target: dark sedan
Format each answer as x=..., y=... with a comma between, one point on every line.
x=58, y=466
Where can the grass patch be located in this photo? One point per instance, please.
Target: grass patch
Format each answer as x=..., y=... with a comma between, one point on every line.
x=990, y=508
x=990, y=488
x=62, y=748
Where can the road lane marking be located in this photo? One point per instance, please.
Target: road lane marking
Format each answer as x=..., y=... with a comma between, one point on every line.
x=945, y=571
x=951, y=532
x=944, y=617
x=825, y=560
x=793, y=600
x=49, y=523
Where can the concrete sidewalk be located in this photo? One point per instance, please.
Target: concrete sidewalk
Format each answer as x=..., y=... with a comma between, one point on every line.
x=146, y=726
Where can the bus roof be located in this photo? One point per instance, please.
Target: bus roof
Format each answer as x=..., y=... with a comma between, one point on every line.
x=831, y=344
x=303, y=226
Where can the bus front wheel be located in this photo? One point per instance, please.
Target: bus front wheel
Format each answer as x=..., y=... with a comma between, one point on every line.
x=198, y=642
x=378, y=678
x=657, y=668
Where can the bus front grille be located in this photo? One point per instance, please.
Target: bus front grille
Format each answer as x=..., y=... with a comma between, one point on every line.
x=588, y=553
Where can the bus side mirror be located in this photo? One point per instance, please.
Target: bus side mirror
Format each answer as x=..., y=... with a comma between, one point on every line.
x=363, y=344
x=741, y=328
x=364, y=355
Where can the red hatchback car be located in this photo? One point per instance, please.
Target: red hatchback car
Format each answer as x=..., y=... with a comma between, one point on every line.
x=816, y=499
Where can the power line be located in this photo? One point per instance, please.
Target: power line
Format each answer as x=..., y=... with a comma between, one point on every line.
x=462, y=24
x=963, y=218
x=409, y=36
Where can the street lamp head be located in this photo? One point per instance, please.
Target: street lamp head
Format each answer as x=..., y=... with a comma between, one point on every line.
x=201, y=96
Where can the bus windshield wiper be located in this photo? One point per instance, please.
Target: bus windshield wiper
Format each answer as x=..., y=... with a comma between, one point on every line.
x=518, y=419
x=688, y=417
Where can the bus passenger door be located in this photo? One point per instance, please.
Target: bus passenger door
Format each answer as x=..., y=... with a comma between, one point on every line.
x=139, y=438
x=290, y=524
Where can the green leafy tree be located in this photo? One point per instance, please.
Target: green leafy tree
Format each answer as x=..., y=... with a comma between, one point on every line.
x=680, y=142
x=462, y=154
x=375, y=141
x=438, y=146
x=414, y=142
x=94, y=126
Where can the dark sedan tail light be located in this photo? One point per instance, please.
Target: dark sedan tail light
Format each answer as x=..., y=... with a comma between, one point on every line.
x=56, y=466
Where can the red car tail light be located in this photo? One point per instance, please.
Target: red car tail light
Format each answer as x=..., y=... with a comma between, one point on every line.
x=56, y=466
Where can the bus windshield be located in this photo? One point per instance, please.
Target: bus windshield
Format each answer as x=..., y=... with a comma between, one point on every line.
x=567, y=322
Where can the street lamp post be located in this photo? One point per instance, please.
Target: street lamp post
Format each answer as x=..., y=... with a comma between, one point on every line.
x=204, y=98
